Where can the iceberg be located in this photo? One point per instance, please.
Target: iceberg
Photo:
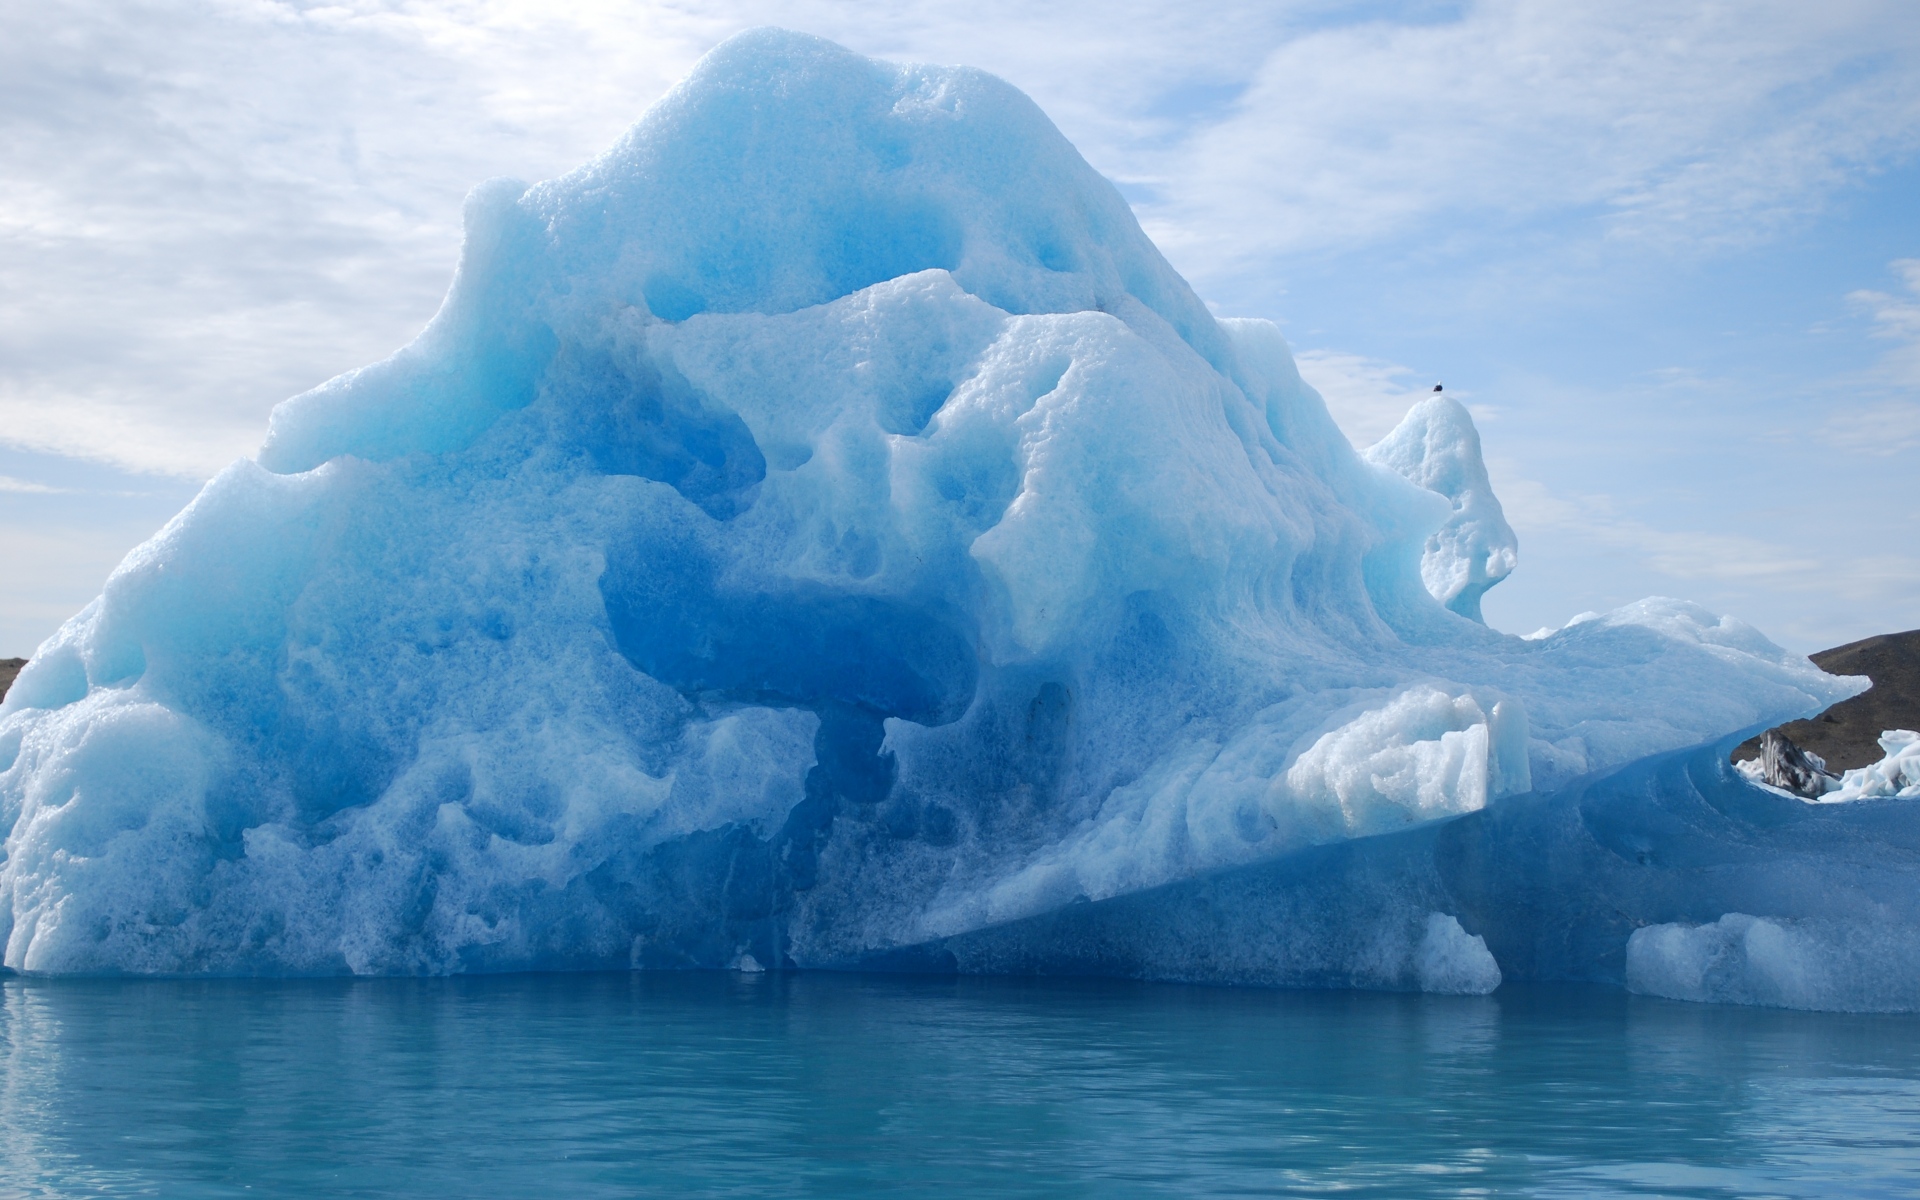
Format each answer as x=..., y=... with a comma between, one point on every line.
x=824, y=532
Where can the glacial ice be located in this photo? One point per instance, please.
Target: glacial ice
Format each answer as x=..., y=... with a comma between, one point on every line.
x=1450, y=960
x=1647, y=876
x=1739, y=959
x=824, y=532
x=1437, y=447
x=1898, y=774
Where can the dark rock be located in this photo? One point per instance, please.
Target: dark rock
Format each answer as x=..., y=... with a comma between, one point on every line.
x=1790, y=768
x=1848, y=734
x=9, y=667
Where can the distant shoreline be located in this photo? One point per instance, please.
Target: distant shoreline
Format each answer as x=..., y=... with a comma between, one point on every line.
x=1848, y=734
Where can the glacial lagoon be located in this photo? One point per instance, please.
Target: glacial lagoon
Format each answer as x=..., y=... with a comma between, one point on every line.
x=820, y=1084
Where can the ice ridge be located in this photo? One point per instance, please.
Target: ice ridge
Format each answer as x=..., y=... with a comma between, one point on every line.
x=1649, y=877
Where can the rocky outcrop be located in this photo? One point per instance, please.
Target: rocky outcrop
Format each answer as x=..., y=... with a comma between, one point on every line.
x=1789, y=768
x=1847, y=735
x=9, y=667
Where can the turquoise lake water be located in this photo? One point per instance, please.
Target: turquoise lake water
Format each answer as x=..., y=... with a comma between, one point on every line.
x=824, y=1085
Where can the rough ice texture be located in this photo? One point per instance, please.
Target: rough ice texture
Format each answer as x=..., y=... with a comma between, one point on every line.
x=1451, y=960
x=1622, y=878
x=820, y=532
x=1898, y=774
x=1437, y=447
x=1849, y=966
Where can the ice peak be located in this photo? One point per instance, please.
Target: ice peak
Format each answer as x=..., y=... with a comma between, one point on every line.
x=784, y=172
x=1436, y=446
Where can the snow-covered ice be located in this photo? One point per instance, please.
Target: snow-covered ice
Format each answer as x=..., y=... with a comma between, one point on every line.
x=818, y=532
x=1896, y=775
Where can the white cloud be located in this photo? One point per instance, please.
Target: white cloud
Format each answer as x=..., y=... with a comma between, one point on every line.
x=132, y=437
x=1685, y=123
x=1534, y=509
x=1803, y=592
x=1897, y=318
x=26, y=487
x=207, y=208
x=1366, y=396
x=1877, y=411
x=1883, y=428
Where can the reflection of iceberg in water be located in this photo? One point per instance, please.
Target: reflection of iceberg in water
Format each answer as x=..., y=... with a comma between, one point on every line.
x=941, y=1087
x=822, y=529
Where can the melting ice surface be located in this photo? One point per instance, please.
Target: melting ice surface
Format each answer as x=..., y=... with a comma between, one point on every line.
x=823, y=531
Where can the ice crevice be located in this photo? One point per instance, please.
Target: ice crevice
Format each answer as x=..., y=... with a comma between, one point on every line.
x=824, y=531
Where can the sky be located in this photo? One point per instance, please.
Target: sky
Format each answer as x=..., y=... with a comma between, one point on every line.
x=1667, y=253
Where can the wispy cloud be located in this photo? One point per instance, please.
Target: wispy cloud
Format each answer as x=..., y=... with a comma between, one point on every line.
x=1881, y=428
x=1688, y=124
x=1878, y=410
x=207, y=208
x=1534, y=509
x=1367, y=396
x=142, y=438
x=27, y=487
x=1802, y=591
x=1897, y=318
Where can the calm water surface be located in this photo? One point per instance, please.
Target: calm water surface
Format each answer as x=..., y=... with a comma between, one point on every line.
x=670, y=1085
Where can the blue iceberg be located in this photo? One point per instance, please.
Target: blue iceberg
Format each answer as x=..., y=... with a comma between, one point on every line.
x=824, y=532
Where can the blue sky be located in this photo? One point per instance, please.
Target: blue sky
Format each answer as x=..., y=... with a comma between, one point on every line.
x=1666, y=253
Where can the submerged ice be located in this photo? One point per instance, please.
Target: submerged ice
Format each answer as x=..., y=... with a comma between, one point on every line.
x=818, y=530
